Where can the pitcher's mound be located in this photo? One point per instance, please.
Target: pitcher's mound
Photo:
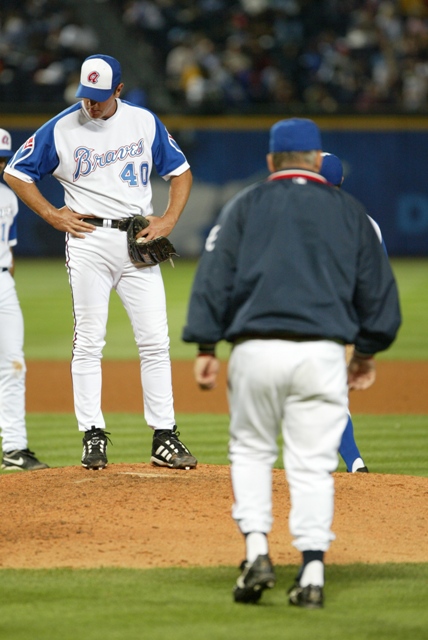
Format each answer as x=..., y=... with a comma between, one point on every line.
x=137, y=515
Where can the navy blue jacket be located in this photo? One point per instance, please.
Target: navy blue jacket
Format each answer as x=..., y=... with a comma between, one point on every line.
x=294, y=255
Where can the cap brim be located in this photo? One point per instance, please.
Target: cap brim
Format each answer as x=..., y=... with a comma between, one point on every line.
x=6, y=153
x=99, y=95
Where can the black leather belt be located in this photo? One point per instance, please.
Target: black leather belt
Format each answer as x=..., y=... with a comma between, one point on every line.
x=104, y=222
x=284, y=335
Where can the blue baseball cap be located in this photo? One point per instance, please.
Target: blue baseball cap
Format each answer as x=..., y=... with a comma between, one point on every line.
x=294, y=134
x=99, y=77
x=332, y=169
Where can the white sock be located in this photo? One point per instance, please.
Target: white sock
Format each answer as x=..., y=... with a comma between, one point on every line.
x=357, y=464
x=257, y=545
x=313, y=574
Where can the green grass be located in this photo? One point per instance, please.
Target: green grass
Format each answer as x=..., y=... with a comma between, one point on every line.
x=389, y=444
x=412, y=279
x=383, y=602
x=45, y=298
x=363, y=602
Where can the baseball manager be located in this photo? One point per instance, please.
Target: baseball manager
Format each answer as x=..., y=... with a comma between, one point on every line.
x=291, y=272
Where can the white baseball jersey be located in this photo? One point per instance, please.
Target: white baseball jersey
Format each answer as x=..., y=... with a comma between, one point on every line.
x=8, y=212
x=108, y=175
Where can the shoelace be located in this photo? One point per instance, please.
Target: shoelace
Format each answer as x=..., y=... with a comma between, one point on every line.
x=174, y=438
x=99, y=433
x=100, y=438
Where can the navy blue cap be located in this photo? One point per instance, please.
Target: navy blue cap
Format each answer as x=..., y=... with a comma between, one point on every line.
x=332, y=169
x=294, y=134
x=99, y=77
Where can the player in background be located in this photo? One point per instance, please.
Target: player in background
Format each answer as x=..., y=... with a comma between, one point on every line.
x=102, y=151
x=332, y=170
x=16, y=454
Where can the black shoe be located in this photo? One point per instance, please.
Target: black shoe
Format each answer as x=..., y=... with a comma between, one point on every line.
x=254, y=579
x=94, y=454
x=362, y=470
x=169, y=451
x=310, y=597
x=22, y=459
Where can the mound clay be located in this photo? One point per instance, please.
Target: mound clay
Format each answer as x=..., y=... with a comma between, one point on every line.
x=137, y=515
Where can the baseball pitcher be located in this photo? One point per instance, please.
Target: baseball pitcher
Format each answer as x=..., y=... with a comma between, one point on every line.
x=102, y=150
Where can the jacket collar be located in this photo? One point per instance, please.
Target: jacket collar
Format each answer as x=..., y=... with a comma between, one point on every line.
x=303, y=174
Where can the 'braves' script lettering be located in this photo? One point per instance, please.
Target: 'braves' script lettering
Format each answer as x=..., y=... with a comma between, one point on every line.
x=87, y=160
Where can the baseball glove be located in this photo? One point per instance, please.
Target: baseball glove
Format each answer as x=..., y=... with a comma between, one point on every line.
x=146, y=253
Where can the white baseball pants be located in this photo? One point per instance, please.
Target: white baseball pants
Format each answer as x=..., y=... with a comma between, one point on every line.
x=300, y=390
x=12, y=367
x=96, y=265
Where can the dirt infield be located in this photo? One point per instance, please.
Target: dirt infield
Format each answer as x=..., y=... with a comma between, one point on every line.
x=398, y=389
x=71, y=517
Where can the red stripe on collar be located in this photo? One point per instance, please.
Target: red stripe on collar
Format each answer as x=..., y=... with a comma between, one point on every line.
x=288, y=174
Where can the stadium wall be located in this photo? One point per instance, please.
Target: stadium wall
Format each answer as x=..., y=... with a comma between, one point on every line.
x=384, y=162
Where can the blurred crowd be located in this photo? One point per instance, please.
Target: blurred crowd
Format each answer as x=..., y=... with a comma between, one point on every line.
x=42, y=46
x=216, y=56
x=323, y=55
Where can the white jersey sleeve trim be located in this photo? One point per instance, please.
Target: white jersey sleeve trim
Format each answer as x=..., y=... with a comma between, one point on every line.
x=178, y=171
x=18, y=174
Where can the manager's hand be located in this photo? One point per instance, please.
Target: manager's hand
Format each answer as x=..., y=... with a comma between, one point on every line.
x=206, y=370
x=361, y=372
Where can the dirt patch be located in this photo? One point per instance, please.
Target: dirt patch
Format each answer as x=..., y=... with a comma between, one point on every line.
x=136, y=515
x=142, y=516
x=397, y=389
